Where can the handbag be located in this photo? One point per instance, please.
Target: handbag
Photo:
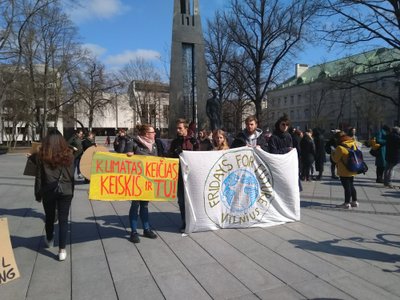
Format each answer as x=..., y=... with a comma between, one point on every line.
x=54, y=188
x=374, y=152
x=30, y=167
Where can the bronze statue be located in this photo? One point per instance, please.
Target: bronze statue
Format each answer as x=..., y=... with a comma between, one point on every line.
x=213, y=110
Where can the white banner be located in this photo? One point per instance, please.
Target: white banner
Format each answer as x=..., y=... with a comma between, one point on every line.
x=239, y=188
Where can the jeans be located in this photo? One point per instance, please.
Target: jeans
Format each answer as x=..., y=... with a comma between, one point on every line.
x=181, y=199
x=77, y=162
x=349, y=189
x=388, y=173
x=144, y=214
x=63, y=205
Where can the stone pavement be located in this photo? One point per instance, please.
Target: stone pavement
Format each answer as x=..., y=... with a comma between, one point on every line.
x=329, y=254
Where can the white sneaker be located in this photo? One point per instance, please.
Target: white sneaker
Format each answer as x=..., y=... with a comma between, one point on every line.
x=344, y=205
x=62, y=255
x=354, y=204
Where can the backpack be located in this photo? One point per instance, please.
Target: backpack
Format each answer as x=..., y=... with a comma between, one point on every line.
x=355, y=161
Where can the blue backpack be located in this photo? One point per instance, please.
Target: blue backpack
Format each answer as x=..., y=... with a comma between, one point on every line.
x=355, y=161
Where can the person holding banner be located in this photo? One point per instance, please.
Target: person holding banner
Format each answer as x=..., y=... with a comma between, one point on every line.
x=54, y=184
x=142, y=144
x=281, y=141
x=220, y=142
x=251, y=136
x=183, y=141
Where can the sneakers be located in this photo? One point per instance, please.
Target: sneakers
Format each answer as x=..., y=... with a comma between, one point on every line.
x=354, y=204
x=49, y=243
x=149, y=234
x=135, y=237
x=62, y=255
x=344, y=205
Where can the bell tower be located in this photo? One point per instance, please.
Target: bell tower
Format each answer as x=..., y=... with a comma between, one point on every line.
x=188, y=74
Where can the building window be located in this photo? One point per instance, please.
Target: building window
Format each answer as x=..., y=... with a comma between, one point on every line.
x=291, y=100
x=298, y=99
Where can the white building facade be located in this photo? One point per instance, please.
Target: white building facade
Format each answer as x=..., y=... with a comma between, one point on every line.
x=360, y=91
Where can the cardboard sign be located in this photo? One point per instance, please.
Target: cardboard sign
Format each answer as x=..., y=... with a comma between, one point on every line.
x=86, y=159
x=35, y=147
x=138, y=177
x=8, y=267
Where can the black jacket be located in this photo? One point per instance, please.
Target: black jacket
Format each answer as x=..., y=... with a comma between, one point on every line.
x=393, y=148
x=138, y=147
x=45, y=176
x=280, y=143
x=122, y=144
x=307, y=149
x=181, y=143
x=86, y=143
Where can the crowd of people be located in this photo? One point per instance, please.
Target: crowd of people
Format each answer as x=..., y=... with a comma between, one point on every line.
x=58, y=161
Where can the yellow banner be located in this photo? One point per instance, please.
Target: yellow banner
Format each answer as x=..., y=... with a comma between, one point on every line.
x=138, y=177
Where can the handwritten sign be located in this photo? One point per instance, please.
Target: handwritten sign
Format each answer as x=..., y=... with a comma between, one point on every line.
x=86, y=160
x=139, y=177
x=8, y=267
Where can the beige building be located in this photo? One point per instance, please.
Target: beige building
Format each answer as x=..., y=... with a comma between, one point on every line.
x=149, y=102
x=143, y=103
x=359, y=91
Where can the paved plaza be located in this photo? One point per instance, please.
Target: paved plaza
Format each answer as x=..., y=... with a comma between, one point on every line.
x=329, y=254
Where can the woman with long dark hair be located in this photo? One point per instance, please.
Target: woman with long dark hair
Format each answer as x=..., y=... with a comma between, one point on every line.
x=55, y=167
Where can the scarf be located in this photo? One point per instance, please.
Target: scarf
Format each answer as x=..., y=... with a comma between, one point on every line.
x=147, y=142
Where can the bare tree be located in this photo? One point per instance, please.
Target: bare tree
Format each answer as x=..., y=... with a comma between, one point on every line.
x=367, y=23
x=92, y=89
x=219, y=51
x=357, y=22
x=45, y=50
x=141, y=75
x=15, y=18
x=265, y=34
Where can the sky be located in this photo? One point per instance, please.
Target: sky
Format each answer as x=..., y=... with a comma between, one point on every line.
x=117, y=31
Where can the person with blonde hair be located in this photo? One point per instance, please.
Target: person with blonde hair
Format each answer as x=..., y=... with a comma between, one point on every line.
x=220, y=142
x=55, y=168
